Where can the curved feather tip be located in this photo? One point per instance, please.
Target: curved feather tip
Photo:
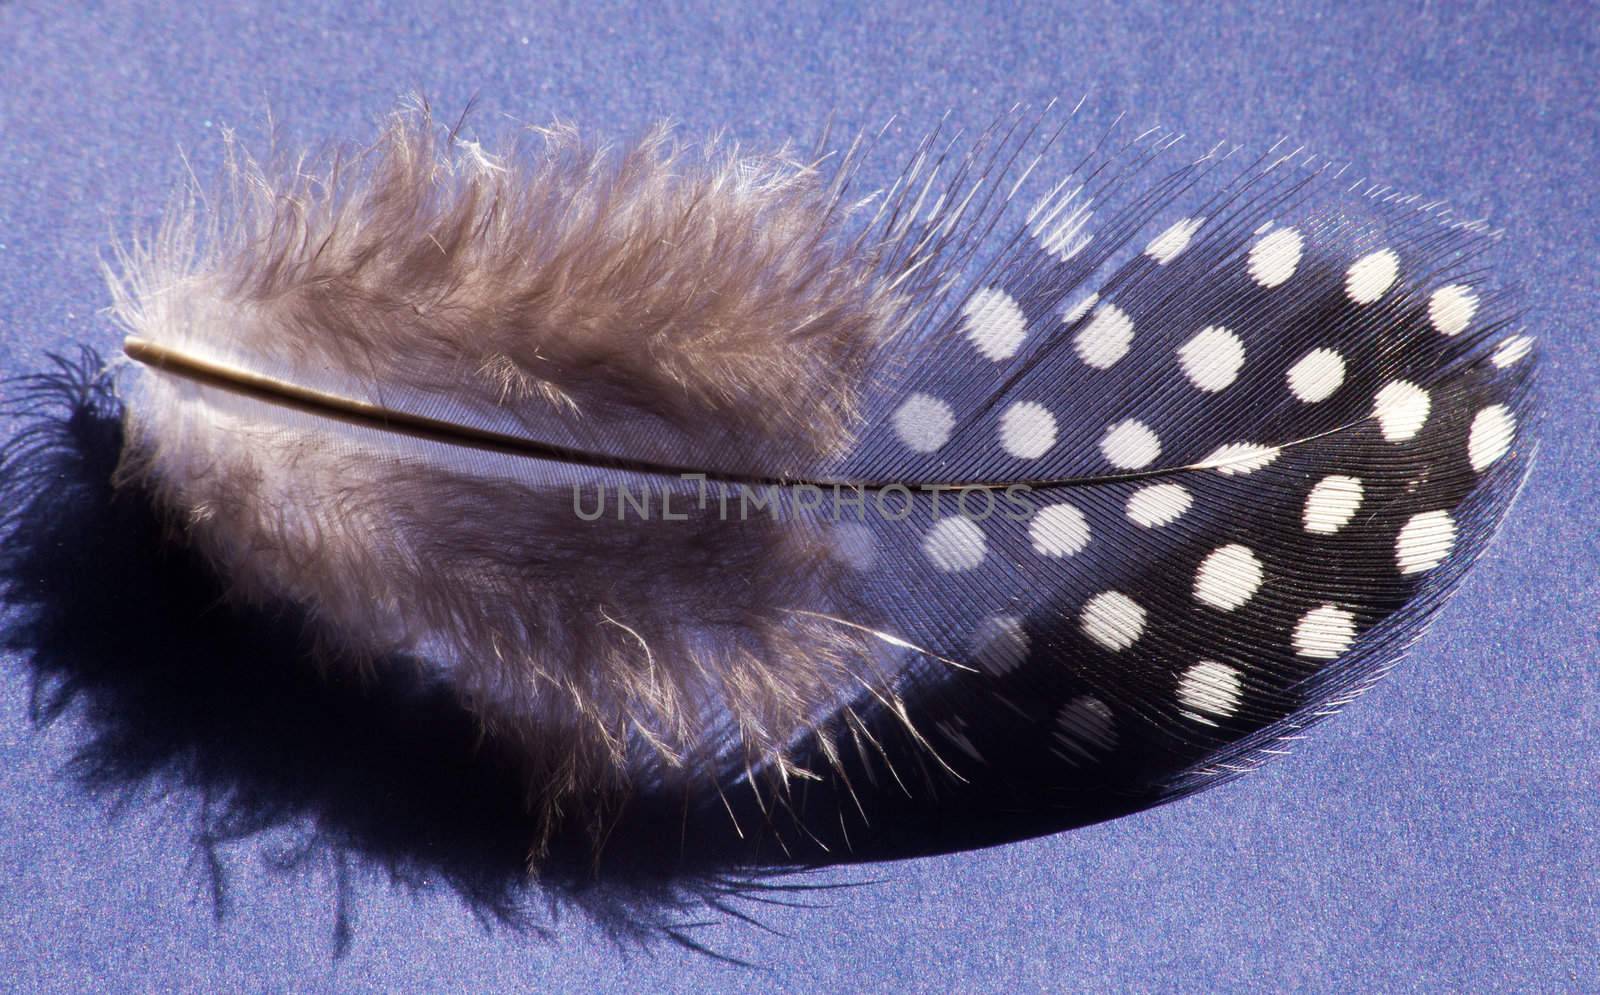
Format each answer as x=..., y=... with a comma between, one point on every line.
x=692, y=470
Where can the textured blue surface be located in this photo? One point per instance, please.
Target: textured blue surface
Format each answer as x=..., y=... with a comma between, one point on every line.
x=1438, y=835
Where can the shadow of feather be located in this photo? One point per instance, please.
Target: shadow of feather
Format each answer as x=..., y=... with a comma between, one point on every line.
x=180, y=695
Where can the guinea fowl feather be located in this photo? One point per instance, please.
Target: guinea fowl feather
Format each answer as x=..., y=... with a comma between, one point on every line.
x=690, y=467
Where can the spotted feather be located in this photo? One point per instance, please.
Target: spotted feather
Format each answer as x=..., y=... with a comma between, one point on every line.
x=1070, y=495
x=1260, y=448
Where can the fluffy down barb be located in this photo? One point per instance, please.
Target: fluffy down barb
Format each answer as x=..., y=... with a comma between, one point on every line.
x=650, y=304
x=638, y=300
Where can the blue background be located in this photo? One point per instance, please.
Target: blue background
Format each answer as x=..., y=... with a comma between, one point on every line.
x=1439, y=834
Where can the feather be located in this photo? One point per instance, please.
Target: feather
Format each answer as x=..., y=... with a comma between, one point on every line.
x=692, y=470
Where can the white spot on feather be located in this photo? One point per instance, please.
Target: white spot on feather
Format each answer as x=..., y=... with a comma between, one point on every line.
x=1000, y=644
x=1212, y=358
x=1401, y=408
x=1164, y=248
x=994, y=322
x=1332, y=503
x=1106, y=337
x=954, y=545
x=923, y=423
x=1274, y=257
x=1511, y=350
x=1370, y=277
x=1490, y=437
x=1129, y=445
x=1237, y=458
x=1424, y=541
x=1027, y=430
x=1058, y=530
x=1319, y=373
x=1157, y=504
x=1451, y=308
x=1324, y=633
x=1113, y=620
x=1210, y=688
x=1228, y=577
